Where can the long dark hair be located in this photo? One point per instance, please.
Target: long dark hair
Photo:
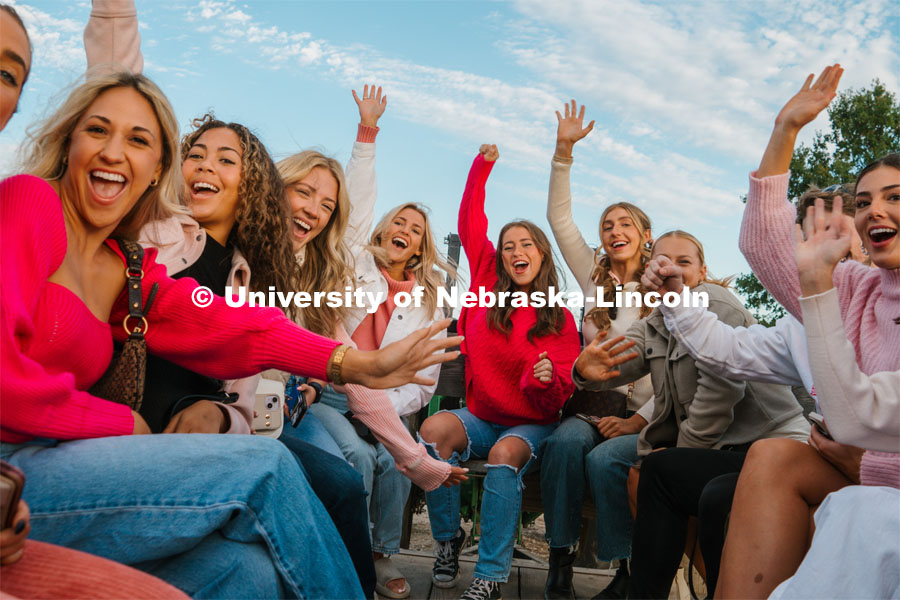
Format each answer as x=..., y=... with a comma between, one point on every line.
x=550, y=320
x=262, y=216
x=888, y=160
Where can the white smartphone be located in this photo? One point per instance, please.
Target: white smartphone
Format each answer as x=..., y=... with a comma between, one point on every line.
x=269, y=408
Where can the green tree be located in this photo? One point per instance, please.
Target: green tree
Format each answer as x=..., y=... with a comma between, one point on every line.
x=865, y=125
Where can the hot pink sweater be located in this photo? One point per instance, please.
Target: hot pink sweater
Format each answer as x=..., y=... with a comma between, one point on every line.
x=500, y=383
x=869, y=298
x=53, y=348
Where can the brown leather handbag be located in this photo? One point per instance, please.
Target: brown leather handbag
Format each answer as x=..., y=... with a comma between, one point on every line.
x=597, y=404
x=123, y=380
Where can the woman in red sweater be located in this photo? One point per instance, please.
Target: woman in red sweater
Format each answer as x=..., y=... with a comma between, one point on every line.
x=102, y=166
x=518, y=376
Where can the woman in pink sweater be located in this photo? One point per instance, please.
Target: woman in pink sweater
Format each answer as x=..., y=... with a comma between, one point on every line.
x=518, y=376
x=782, y=480
x=105, y=164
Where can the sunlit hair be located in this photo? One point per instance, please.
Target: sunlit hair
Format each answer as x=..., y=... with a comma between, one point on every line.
x=602, y=275
x=550, y=320
x=808, y=198
x=47, y=145
x=422, y=266
x=326, y=265
x=261, y=216
x=724, y=282
x=11, y=11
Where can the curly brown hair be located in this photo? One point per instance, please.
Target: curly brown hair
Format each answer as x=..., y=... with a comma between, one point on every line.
x=550, y=319
x=262, y=216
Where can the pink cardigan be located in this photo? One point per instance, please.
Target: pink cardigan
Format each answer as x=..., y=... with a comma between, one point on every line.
x=869, y=298
x=52, y=348
x=500, y=383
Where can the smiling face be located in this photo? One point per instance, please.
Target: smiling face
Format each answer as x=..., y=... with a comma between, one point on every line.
x=620, y=236
x=878, y=215
x=684, y=253
x=313, y=201
x=212, y=176
x=522, y=259
x=15, y=62
x=403, y=236
x=115, y=151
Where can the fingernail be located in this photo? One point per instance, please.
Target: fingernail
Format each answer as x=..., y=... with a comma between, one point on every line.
x=20, y=527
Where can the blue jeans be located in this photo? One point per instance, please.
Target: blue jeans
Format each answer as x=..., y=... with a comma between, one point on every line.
x=563, y=481
x=156, y=500
x=606, y=467
x=311, y=431
x=387, y=487
x=502, y=500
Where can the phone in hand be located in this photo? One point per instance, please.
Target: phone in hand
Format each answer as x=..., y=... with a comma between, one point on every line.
x=12, y=480
x=589, y=419
x=818, y=422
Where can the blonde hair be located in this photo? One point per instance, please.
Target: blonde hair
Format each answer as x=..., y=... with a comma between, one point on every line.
x=47, y=145
x=602, y=275
x=724, y=282
x=327, y=265
x=422, y=266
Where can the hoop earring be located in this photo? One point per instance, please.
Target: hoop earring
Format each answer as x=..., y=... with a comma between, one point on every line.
x=155, y=182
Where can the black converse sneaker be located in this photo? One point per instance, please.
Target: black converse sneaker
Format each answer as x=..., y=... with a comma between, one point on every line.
x=446, y=562
x=481, y=589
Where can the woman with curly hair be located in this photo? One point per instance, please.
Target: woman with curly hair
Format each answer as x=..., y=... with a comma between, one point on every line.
x=579, y=453
x=518, y=376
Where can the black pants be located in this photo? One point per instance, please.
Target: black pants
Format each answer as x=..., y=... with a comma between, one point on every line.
x=340, y=488
x=671, y=486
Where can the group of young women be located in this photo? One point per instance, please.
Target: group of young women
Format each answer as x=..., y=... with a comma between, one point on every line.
x=677, y=399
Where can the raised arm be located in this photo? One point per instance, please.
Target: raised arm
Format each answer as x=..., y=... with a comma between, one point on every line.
x=766, y=230
x=111, y=37
x=472, y=219
x=362, y=184
x=575, y=250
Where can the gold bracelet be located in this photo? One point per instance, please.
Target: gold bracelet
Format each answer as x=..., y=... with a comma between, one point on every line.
x=335, y=365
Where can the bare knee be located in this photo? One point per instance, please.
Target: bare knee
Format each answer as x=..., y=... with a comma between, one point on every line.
x=446, y=433
x=510, y=451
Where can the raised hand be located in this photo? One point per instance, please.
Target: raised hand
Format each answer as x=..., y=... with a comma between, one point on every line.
x=543, y=368
x=371, y=105
x=662, y=275
x=598, y=360
x=570, y=130
x=811, y=99
x=490, y=152
x=398, y=363
x=822, y=242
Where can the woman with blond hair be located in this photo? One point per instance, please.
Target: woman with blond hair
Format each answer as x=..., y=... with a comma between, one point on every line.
x=579, y=454
x=329, y=239
x=102, y=166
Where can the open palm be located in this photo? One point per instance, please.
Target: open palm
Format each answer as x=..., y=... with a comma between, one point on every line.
x=570, y=129
x=599, y=359
x=812, y=98
x=822, y=242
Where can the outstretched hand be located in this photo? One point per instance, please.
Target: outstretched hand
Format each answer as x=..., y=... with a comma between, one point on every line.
x=570, y=130
x=662, y=275
x=398, y=363
x=371, y=105
x=822, y=242
x=598, y=360
x=490, y=152
x=457, y=476
x=812, y=99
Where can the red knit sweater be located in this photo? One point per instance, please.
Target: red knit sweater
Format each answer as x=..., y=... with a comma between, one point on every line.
x=500, y=383
x=53, y=348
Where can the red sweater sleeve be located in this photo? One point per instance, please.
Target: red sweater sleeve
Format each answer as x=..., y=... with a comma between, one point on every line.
x=221, y=341
x=473, y=225
x=34, y=402
x=562, y=350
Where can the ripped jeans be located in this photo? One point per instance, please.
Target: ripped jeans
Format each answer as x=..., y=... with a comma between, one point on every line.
x=502, y=500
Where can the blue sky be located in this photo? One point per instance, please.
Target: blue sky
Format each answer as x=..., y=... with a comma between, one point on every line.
x=684, y=93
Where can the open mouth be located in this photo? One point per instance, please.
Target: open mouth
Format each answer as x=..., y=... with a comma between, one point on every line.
x=520, y=266
x=301, y=227
x=106, y=184
x=203, y=189
x=400, y=243
x=619, y=244
x=881, y=236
